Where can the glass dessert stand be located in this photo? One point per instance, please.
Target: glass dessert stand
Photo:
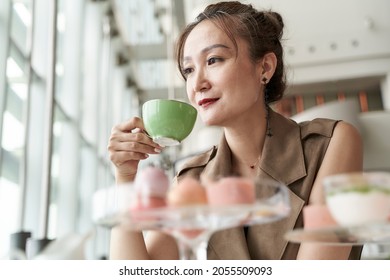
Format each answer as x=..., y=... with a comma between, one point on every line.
x=375, y=233
x=360, y=204
x=192, y=226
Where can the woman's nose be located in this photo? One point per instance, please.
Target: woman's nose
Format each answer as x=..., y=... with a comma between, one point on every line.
x=200, y=82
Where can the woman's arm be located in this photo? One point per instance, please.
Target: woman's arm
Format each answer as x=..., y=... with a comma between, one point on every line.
x=130, y=245
x=127, y=146
x=344, y=154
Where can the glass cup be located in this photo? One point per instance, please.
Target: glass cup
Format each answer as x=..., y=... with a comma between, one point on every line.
x=356, y=199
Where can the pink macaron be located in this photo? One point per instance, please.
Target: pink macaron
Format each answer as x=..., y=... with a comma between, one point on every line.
x=231, y=190
x=317, y=216
x=151, y=187
x=188, y=191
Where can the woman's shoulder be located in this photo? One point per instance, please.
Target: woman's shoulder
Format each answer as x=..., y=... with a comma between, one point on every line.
x=346, y=135
x=331, y=128
x=197, y=161
x=345, y=129
x=318, y=126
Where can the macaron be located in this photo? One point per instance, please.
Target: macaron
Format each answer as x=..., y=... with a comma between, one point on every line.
x=231, y=190
x=317, y=216
x=151, y=187
x=188, y=191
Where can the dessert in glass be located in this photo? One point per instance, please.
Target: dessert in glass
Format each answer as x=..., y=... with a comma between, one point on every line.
x=194, y=209
x=358, y=198
x=358, y=211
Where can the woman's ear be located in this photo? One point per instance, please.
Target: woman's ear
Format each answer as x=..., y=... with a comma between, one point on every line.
x=268, y=65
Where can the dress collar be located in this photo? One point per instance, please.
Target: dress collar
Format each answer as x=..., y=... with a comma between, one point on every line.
x=282, y=154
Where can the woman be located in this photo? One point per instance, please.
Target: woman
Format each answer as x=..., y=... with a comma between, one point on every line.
x=232, y=61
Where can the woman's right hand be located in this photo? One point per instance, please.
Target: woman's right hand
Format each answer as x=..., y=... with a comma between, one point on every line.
x=128, y=144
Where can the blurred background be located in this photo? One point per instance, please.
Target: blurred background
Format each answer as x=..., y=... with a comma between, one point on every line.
x=72, y=69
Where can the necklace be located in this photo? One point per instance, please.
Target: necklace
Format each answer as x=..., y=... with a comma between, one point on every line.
x=252, y=166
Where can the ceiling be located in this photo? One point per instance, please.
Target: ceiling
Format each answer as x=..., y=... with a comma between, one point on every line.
x=315, y=34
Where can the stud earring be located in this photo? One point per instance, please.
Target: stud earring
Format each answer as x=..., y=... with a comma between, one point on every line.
x=264, y=80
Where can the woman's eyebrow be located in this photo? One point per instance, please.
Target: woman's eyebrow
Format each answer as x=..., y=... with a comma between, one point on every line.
x=207, y=49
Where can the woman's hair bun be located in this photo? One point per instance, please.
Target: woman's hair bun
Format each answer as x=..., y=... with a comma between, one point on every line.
x=276, y=21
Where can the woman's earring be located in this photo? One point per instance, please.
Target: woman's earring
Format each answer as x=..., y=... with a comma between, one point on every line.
x=266, y=101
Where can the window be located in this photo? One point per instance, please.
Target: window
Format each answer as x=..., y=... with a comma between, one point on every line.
x=85, y=107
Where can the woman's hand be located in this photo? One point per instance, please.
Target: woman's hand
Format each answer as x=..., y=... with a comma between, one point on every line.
x=128, y=144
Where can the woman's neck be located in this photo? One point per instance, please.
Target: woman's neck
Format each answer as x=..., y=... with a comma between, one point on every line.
x=246, y=144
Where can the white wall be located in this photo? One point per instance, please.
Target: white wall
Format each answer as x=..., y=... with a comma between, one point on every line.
x=327, y=42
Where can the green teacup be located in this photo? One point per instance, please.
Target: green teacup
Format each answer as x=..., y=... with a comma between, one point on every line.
x=167, y=121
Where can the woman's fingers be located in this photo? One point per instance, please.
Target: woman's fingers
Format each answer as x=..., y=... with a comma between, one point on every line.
x=128, y=144
x=138, y=141
x=121, y=157
x=129, y=125
x=133, y=131
x=132, y=146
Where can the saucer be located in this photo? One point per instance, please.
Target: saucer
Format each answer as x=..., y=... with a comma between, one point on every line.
x=165, y=141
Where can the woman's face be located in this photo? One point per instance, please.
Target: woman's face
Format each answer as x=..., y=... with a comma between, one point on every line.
x=224, y=85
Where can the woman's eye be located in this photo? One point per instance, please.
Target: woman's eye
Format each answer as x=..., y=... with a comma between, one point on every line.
x=187, y=71
x=212, y=60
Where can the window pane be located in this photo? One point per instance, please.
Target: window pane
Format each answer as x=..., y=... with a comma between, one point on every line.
x=9, y=205
x=12, y=145
x=20, y=23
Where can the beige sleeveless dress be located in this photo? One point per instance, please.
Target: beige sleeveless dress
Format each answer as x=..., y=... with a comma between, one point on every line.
x=292, y=156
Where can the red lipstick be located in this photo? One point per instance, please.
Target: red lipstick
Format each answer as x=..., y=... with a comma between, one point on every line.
x=207, y=101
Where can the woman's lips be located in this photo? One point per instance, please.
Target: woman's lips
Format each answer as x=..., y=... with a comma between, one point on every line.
x=207, y=102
